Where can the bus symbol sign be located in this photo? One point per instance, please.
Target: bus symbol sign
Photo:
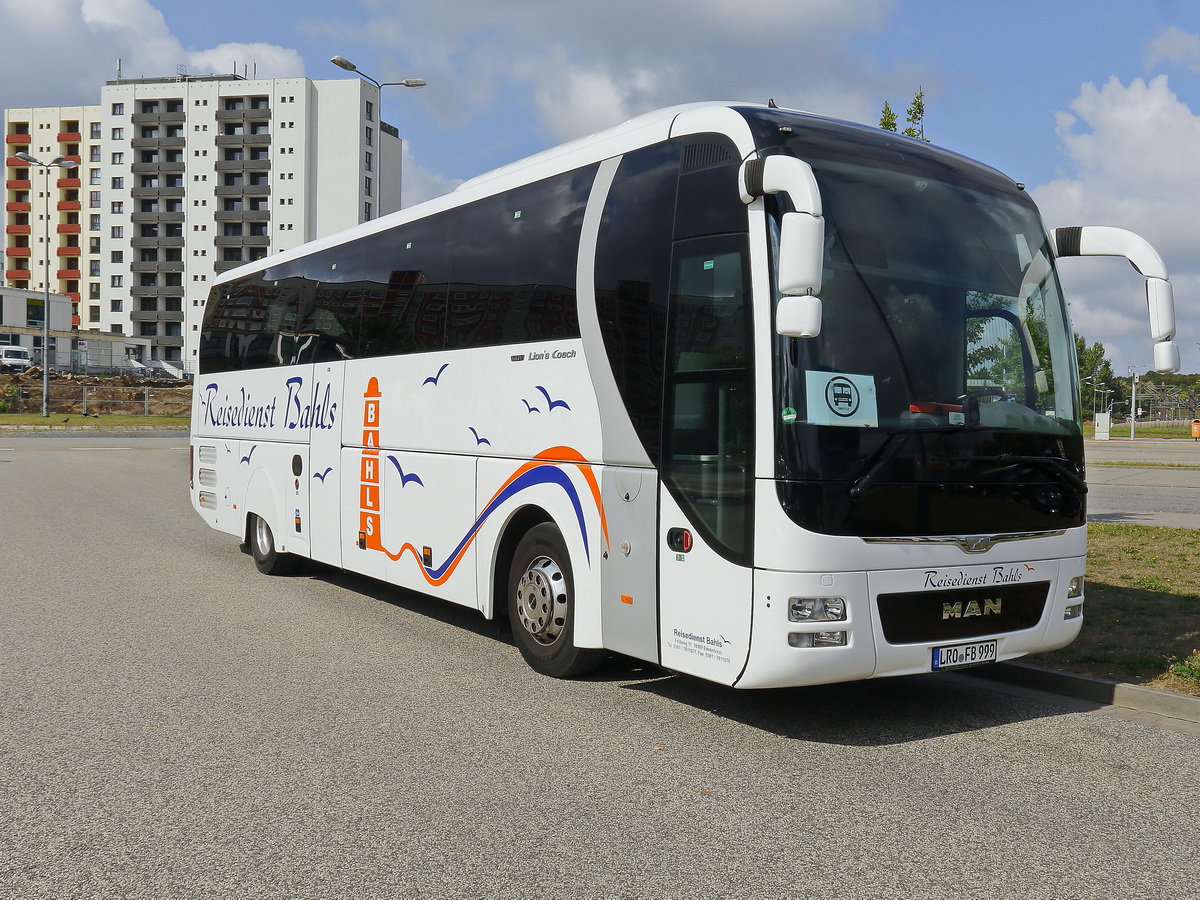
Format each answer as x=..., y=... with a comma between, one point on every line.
x=842, y=397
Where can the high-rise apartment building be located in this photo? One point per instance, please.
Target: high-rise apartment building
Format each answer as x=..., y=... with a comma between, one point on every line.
x=180, y=179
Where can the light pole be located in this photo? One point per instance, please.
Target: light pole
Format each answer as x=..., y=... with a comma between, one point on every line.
x=342, y=63
x=59, y=162
x=1133, y=407
x=1096, y=388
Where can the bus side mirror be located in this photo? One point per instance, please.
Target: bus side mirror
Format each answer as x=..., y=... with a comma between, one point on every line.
x=1103, y=240
x=798, y=316
x=801, y=260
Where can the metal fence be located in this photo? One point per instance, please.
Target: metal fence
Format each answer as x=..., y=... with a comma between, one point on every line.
x=98, y=399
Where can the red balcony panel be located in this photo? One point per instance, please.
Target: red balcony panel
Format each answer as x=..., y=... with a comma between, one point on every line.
x=69, y=251
x=68, y=274
x=17, y=138
x=17, y=207
x=69, y=137
x=18, y=229
x=75, y=320
x=75, y=159
x=75, y=296
x=15, y=162
x=68, y=182
x=18, y=184
x=16, y=275
x=69, y=205
x=24, y=252
x=70, y=228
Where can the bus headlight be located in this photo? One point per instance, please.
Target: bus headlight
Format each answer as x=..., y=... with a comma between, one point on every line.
x=1074, y=611
x=817, y=609
x=1075, y=588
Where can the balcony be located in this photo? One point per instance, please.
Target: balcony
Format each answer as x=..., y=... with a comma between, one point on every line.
x=78, y=160
x=68, y=275
x=70, y=137
x=15, y=162
x=69, y=228
x=148, y=243
x=165, y=143
x=68, y=182
x=18, y=184
x=18, y=229
x=19, y=206
x=17, y=138
x=22, y=252
x=242, y=240
x=69, y=205
x=14, y=275
x=154, y=193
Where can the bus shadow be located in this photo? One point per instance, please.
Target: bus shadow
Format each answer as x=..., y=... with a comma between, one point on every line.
x=879, y=712
x=872, y=713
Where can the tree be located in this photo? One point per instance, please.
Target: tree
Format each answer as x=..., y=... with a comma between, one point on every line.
x=1095, y=371
x=915, y=117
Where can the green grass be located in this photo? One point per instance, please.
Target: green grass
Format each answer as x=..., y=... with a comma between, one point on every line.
x=1141, y=611
x=76, y=420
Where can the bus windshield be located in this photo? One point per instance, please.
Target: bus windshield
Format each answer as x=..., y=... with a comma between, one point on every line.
x=945, y=355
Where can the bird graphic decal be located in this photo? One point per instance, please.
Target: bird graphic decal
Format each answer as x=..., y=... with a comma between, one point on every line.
x=433, y=379
x=553, y=403
x=529, y=407
x=246, y=458
x=321, y=475
x=405, y=477
x=478, y=440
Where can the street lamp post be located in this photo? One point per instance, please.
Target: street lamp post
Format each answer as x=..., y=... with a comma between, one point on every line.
x=59, y=162
x=342, y=63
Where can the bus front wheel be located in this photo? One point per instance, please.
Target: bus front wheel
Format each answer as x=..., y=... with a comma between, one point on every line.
x=541, y=606
x=262, y=545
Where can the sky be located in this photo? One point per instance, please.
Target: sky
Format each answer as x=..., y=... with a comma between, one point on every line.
x=1093, y=104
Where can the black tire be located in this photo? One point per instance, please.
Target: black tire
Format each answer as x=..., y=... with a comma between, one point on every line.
x=541, y=606
x=262, y=546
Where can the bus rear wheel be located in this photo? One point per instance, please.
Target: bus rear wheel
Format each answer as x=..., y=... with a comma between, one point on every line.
x=262, y=546
x=541, y=606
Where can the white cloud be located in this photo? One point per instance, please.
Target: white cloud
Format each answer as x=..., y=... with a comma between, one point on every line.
x=1132, y=163
x=421, y=184
x=88, y=37
x=1176, y=46
x=588, y=66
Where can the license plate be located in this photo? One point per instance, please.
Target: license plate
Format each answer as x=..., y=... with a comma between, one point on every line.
x=960, y=655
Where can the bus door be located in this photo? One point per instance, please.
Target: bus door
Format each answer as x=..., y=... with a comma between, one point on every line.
x=706, y=493
x=321, y=472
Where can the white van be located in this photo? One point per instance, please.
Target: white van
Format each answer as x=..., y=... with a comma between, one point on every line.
x=14, y=359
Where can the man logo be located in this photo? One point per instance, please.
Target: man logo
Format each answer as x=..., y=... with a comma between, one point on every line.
x=958, y=611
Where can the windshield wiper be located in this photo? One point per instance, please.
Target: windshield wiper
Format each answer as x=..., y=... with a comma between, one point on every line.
x=891, y=447
x=1059, y=466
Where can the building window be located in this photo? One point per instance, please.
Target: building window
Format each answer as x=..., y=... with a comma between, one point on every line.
x=367, y=186
x=116, y=281
x=95, y=131
x=93, y=314
x=118, y=183
x=117, y=208
x=370, y=136
x=148, y=329
x=118, y=109
x=94, y=290
x=368, y=160
x=149, y=106
x=118, y=231
x=114, y=305
x=94, y=268
x=370, y=111
x=117, y=256
x=118, y=159
x=94, y=176
x=149, y=304
x=94, y=199
x=93, y=223
x=118, y=134
x=235, y=103
x=233, y=254
x=94, y=153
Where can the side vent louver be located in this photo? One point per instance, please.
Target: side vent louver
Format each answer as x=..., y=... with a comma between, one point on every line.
x=704, y=156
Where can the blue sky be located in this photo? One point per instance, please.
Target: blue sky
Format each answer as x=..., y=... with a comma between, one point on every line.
x=1094, y=104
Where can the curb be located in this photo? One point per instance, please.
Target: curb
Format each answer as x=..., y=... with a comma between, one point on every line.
x=1096, y=690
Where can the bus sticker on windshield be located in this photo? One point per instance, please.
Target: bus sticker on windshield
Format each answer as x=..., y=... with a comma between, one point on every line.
x=837, y=399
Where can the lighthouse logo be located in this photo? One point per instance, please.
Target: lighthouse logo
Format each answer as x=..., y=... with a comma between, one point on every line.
x=548, y=468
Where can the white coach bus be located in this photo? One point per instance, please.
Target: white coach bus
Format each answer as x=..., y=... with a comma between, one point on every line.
x=596, y=392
